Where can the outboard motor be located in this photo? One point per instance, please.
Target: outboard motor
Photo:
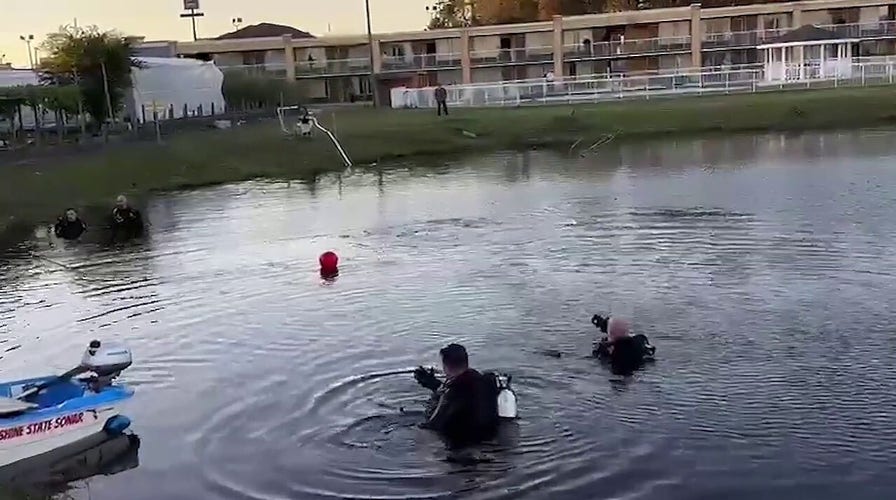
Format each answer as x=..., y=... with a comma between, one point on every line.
x=106, y=362
x=506, y=397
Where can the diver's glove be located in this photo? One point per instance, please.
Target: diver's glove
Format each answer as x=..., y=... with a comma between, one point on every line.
x=427, y=378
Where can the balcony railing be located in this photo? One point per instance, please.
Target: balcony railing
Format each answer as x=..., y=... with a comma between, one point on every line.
x=878, y=29
x=639, y=46
x=511, y=56
x=271, y=70
x=420, y=61
x=740, y=38
x=334, y=67
x=694, y=81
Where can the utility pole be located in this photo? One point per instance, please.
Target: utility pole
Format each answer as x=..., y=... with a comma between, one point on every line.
x=372, y=81
x=28, y=39
x=192, y=6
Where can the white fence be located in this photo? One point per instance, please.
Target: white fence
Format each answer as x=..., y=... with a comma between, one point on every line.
x=597, y=88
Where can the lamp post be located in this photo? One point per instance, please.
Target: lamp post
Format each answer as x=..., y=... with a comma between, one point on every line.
x=237, y=22
x=28, y=39
x=372, y=80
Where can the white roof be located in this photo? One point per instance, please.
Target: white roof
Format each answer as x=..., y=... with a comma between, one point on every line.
x=808, y=43
x=17, y=77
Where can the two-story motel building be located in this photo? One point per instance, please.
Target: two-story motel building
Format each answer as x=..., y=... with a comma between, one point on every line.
x=338, y=68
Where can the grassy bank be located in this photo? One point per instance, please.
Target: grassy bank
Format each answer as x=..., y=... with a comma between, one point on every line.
x=35, y=190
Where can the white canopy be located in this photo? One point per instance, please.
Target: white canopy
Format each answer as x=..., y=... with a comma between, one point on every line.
x=172, y=82
x=17, y=77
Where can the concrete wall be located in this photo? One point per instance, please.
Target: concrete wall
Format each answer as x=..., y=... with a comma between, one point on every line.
x=486, y=75
x=450, y=77
x=674, y=62
x=872, y=14
x=817, y=17
x=540, y=39
x=576, y=37
x=675, y=29
x=318, y=53
x=228, y=59
x=485, y=46
x=358, y=52
x=314, y=88
x=275, y=58
x=714, y=26
x=448, y=47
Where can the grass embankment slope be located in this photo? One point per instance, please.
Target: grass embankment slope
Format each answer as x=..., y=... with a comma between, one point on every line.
x=36, y=191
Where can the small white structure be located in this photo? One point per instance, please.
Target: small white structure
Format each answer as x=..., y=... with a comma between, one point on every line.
x=169, y=82
x=808, y=53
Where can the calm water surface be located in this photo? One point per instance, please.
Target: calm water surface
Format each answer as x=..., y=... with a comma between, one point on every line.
x=760, y=267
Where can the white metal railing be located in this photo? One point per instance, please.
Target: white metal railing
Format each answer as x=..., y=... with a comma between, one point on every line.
x=610, y=75
x=868, y=30
x=602, y=88
x=489, y=57
x=740, y=38
x=863, y=30
x=626, y=46
x=270, y=69
x=349, y=66
x=420, y=61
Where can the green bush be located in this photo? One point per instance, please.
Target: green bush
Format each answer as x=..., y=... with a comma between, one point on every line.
x=246, y=91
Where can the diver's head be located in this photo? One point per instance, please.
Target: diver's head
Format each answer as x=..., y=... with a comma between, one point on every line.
x=71, y=215
x=121, y=201
x=617, y=328
x=600, y=322
x=454, y=359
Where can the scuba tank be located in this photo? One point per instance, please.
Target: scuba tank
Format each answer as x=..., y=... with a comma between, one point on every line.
x=506, y=397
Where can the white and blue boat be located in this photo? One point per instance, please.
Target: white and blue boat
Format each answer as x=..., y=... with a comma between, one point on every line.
x=42, y=415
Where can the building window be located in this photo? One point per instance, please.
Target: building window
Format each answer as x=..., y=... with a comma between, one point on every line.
x=363, y=85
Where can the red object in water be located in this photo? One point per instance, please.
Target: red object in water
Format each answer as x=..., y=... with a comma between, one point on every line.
x=329, y=263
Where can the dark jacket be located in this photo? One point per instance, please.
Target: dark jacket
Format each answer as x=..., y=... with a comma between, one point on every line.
x=127, y=222
x=69, y=230
x=464, y=409
x=441, y=94
x=625, y=355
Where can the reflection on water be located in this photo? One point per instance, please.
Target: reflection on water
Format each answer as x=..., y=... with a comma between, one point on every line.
x=760, y=267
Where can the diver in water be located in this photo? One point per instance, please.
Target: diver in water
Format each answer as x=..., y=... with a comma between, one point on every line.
x=624, y=352
x=127, y=222
x=69, y=226
x=463, y=409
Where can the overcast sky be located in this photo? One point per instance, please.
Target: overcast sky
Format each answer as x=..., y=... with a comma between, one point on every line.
x=158, y=19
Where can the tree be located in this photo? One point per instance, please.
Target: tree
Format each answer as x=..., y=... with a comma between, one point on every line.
x=453, y=14
x=99, y=63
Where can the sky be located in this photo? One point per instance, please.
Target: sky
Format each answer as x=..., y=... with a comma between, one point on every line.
x=158, y=19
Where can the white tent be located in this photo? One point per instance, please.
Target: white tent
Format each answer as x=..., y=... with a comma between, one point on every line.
x=171, y=83
x=17, y=77
x=20, y=78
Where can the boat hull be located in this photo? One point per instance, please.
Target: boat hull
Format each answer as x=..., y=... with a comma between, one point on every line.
x=68, y=412
x=30, y=439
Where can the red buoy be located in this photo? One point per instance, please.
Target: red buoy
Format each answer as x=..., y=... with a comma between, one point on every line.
x=329, y=264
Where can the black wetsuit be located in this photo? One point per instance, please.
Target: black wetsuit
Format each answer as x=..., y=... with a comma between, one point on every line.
x=127, y=222
x=627, y=354
x=69, y=230
x=464, y=409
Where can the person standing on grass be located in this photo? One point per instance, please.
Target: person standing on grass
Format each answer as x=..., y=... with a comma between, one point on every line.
x=441, y=99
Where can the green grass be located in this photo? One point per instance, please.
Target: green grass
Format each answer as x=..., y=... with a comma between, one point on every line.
x=38, y=190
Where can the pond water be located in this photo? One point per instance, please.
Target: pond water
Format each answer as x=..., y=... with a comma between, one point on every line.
x=760, y=267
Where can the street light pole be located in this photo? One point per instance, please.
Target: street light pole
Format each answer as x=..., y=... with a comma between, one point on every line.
x=28, y=39
x=372, y=79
